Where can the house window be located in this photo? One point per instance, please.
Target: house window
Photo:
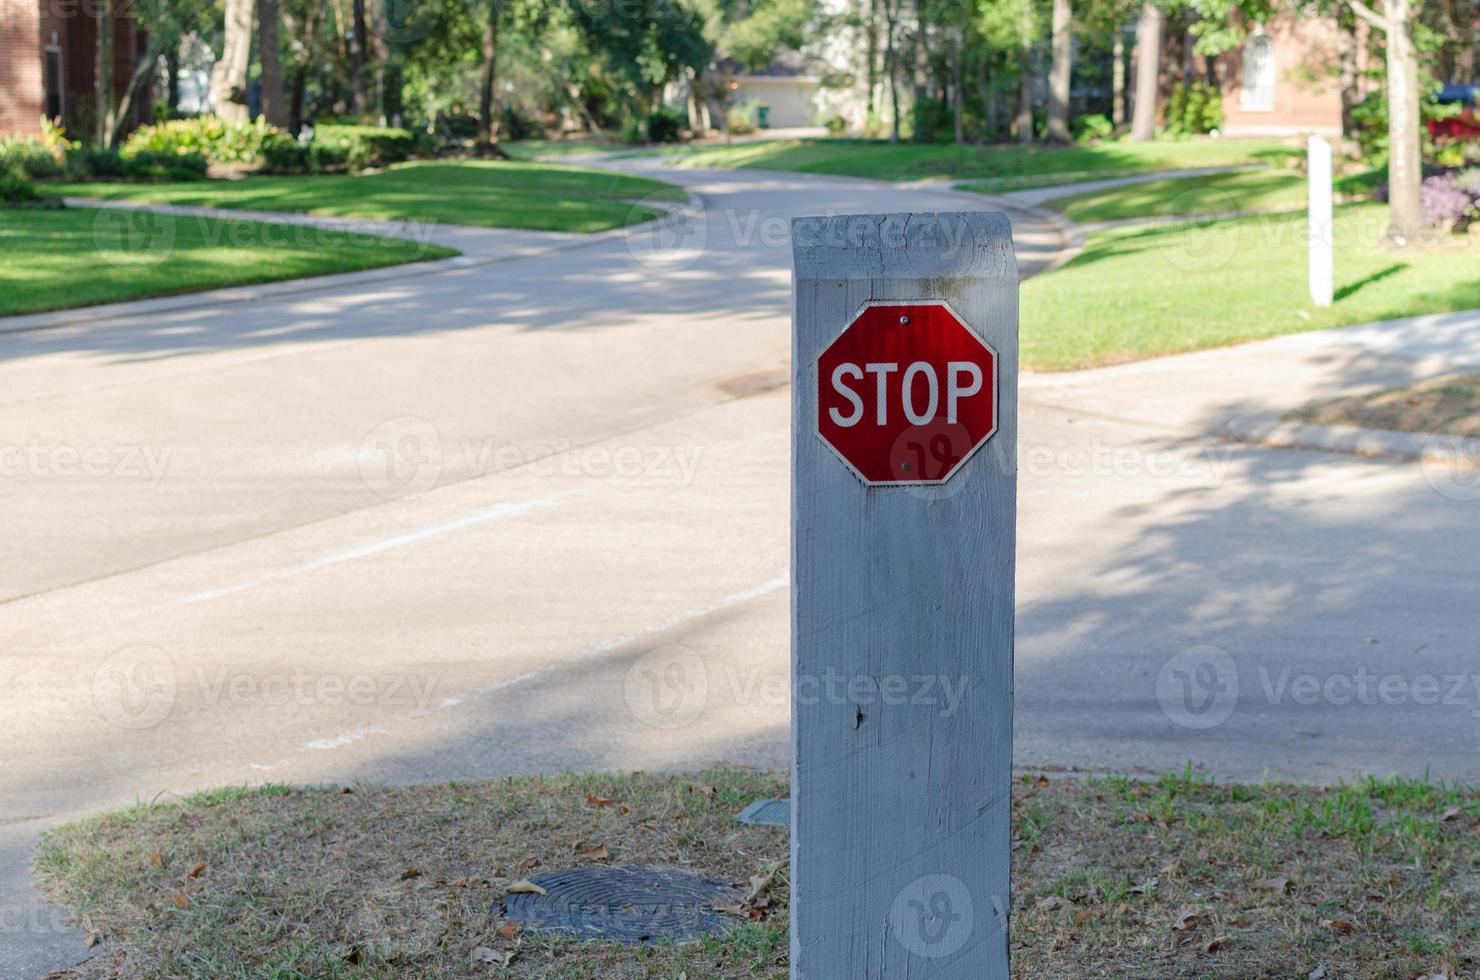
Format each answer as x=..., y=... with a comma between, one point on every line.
x=1258, y=87
x=53, y=82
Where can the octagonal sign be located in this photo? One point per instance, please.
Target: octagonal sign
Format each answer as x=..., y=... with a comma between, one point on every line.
x=906, y=393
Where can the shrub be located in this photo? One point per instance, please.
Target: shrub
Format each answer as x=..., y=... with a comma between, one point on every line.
x=208, y=136
x=665, y=125
x=1451, y=201
x=632, y=133
x=740, y=120
x=358, y=147
x=149, y=165
x=282, y=154
x=1194, y=109
x=92, y=162
x=15, y=188
x=29, y=157
x=1091, y=127
x=836, y=125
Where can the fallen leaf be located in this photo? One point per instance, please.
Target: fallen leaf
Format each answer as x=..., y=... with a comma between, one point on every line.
x=1189, y=920
x=525, y=888
x=705, y=791
x=1450, y=814
x=196, y=871
x=594, y=800
x=1144, y=888
x=1276, y=886
x=92, y=940
x=158, y=859
x=1083, y=917
x=182, y=901
x=624, y=809
x=1319, y=973
x=1339, y=925
x=462, y=882
x=508, y=930
x=347, y=791
x=530, y=862
x=1041, y=781
x=1215, y=944
x=1052, y=903
x=485, y=954
x=597, y=853
x=410, y=873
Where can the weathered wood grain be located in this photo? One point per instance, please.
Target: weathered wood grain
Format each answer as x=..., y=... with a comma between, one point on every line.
x=901, y=817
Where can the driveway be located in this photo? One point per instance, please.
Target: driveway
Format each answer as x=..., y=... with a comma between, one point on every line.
x=430, y=528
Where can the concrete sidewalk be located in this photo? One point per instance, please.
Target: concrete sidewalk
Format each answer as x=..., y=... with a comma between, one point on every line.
x=1243, y=392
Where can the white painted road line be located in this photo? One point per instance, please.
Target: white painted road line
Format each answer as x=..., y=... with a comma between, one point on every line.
x=486, y=515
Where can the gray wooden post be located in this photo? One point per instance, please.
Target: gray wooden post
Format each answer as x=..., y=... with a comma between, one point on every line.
x=1319, y=221
x=902, y=633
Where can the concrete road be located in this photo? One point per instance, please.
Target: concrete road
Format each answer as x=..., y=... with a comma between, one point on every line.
x=534, y=516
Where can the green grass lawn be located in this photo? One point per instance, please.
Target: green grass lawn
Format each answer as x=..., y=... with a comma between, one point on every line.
x=1112, y=878
x=491, y=194
x=1162, y=289
x=1000, y=167
x=83, y=256
x=1254, y=190
x=533, y=149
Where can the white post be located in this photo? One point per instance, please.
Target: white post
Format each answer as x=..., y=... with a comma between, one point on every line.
x=904, y=484
x=1319, y=222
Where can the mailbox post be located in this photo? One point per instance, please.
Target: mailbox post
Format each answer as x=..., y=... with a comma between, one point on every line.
x=904, y=483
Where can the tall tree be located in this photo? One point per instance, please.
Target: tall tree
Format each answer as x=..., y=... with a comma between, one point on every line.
x=891, y=64
x=1148, y=73
x=1405, y=162
x=359, y=42
x=921, y=74
x=1059, y=71
x=1117, y=79
x=106, y=117
x=487, y=125
x=228, y=89
x=1024, y=121
x=274, y=105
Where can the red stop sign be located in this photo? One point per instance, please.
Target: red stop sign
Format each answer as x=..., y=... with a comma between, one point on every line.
x=906, y=393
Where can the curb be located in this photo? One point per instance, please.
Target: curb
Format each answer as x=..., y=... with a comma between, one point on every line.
x=92, y=315
x=1351, y=440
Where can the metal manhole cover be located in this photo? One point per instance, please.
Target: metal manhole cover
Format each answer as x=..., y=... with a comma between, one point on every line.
x=767, y=813
x=625, y=905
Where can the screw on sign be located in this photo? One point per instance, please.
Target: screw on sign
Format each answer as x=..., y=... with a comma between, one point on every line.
x=906, y=393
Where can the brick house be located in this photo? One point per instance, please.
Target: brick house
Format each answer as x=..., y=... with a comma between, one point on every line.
x=1284, y=80
x=48, y=53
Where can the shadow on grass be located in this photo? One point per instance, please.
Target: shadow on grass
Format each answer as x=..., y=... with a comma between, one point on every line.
x=1352, y=288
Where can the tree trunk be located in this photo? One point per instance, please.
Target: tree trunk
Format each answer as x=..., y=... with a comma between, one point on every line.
x=1405, y=172
x=1346, y=55
x=228, y=89
x=1024, y=121
x=871, y=53
x=274, y=105
x=922, y=74
x=957, y=108
x=359, y=41
x=104, y=123
x=1148, y=72
x=1059, y=72
x=142, y=70
x=1117, y=80
x=487, y=126
x=891, y=66
x=988, y=99
x=172, y=86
